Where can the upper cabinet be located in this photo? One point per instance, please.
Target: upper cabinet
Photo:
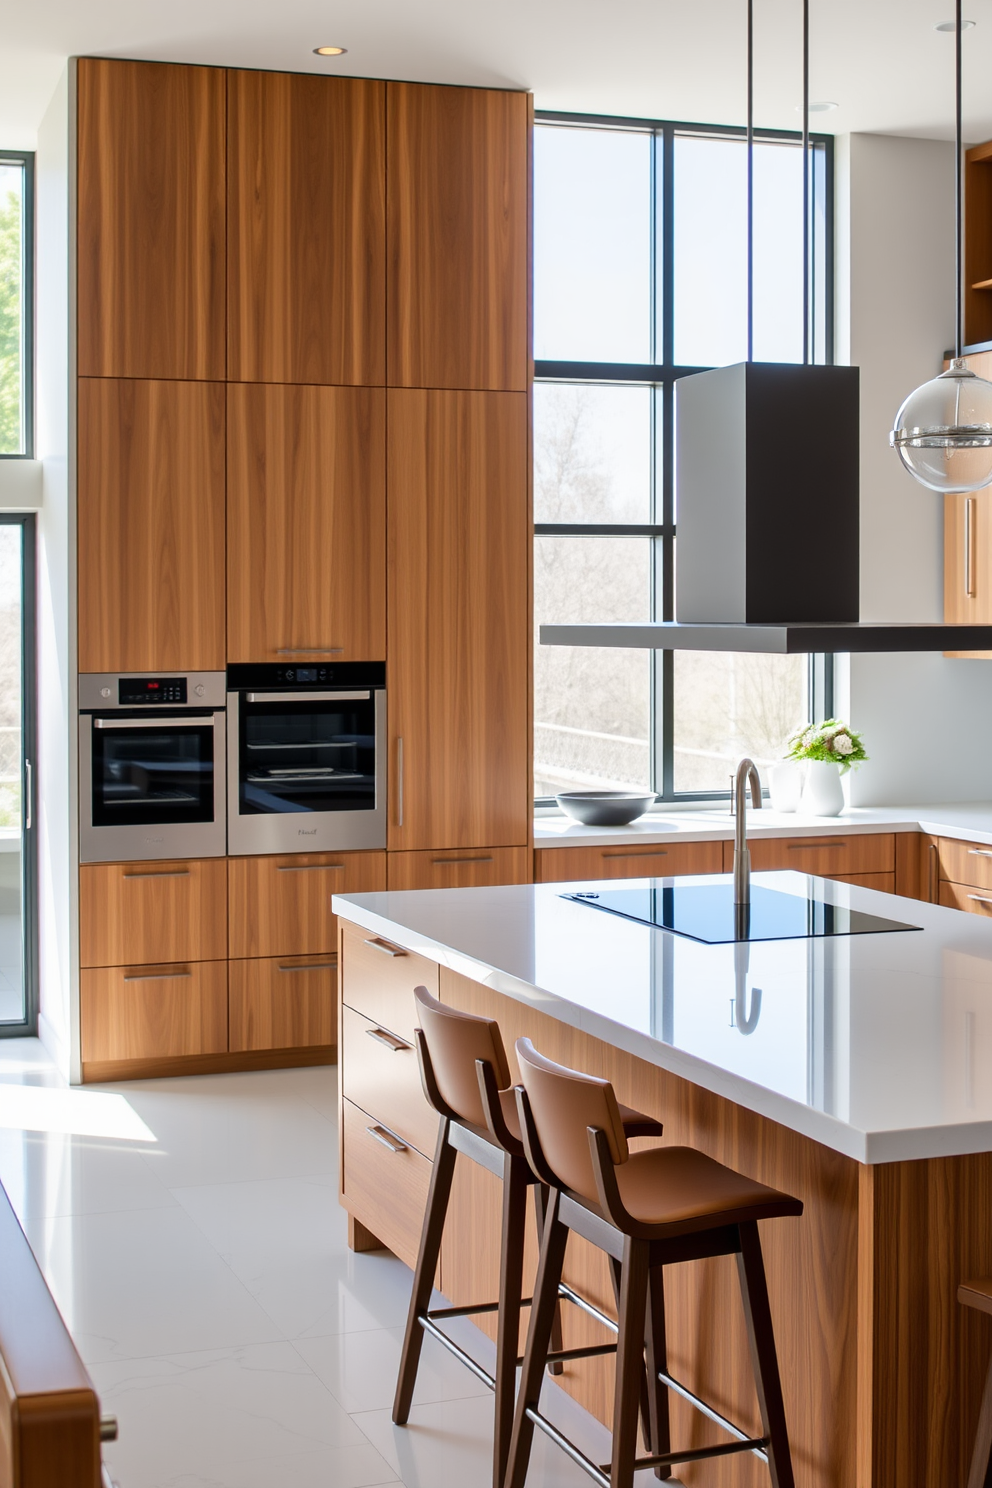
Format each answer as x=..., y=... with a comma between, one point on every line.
x=978, y=245
x=306, y=229
x=306, y=523
x=151, y=526
x=151, y=220
x=968, y=548
x=458, y=237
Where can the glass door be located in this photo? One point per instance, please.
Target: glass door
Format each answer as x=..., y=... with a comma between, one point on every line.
x=18, y=918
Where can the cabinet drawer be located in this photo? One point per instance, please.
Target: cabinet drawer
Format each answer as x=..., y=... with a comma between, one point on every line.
x=386, y=1190
x=152, y=912
x=885, y=883
x=649, y=860
x=153, y=1012
x=830, y=857
x=282, y=906
x=378, y=978
x=381, y=1074
x=477, y=867
x=967, y=897
x=283, y=1003
x=964, y=863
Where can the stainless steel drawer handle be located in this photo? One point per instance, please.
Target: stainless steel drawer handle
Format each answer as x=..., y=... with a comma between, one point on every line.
x=158, y=976
x=382, y=1036
x=448, y=862
x=387, y=950
x=108, y=1428
x=386, y=1138
x=309, y=650
x=165, y=873
x=979, y=852
x=980, y=898
x=312, y=868
x=306, y=697
x=660, y=852
x=813, y=846
x=311, y=966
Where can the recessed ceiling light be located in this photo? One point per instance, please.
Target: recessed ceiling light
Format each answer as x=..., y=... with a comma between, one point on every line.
x=818, y=108
x=329, y=51
x=952, y=26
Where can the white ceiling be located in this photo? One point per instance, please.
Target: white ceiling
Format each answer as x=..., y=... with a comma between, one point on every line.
x=880, y=60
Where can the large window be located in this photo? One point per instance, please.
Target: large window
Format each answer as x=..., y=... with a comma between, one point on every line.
x=16, y=217
x=640, y=279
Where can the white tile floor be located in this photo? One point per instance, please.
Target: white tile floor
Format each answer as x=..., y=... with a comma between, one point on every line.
x=191, y=1235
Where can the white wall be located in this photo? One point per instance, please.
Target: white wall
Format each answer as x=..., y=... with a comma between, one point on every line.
x=895, y=318
x=57, y=849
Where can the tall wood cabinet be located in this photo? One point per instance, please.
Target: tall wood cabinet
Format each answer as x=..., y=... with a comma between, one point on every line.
x=968, y=547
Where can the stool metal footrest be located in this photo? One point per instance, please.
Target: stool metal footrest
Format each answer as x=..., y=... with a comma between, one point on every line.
x=756, y=1445
x=459, y=1353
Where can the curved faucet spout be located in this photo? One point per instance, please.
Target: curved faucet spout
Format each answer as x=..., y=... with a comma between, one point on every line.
x=746, y=772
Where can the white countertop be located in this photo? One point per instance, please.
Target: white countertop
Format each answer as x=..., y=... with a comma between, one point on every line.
x=879, y=1046
x=970, y=821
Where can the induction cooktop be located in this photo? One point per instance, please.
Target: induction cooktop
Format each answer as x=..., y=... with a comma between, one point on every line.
x=707, y=912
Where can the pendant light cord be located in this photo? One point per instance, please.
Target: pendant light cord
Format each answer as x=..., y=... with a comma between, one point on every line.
x=958, y=191
x=806, y=327
x=750, y=180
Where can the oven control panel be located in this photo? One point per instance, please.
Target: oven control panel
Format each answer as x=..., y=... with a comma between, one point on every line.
x=136, y=691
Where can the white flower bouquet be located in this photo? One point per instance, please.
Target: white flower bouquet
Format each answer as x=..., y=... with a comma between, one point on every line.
x=829, y=742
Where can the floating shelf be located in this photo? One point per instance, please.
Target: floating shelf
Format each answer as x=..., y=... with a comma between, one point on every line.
x=785, y=639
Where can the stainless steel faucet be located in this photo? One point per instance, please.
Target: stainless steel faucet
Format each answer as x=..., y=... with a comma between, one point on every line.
x=746, y=771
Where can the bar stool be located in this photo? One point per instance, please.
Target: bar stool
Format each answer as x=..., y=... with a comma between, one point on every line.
x=646, y=1211
x=978, y=1294
x=466, y=1079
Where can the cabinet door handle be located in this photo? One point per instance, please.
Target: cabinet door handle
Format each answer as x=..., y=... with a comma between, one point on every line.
x=382, y=1036
x=969, y=547
x=156, y=976
x=933, y=873
x=979, y=852
x=980, y=898
x=163, y=873
x=311, y=966
x=813, y=847
x=445, y=862
x=28, y=793
x=312, y=868
x=387, y=950
x=381, y=1134
x=659, y=852
x=399, y=782
x=309, y=650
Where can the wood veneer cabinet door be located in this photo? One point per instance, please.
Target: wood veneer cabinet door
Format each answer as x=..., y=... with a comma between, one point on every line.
x=151, y=526
x=459, y=553
x=647, y=860
x=282, y=906
x=463, y=869
x=152, y=1012
x=306, y=229
x=968, y=543
x=457, y=230
x=830, y=857
x=151, y=220
x=288, y=1002
x=143, y=912
x=306, y=523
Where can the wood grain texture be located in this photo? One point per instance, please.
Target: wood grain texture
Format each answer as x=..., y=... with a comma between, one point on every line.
x=830, y=857
x=151, y=220
x=281, y=906
x=651, y=860
x=977, y=244
x=967, y=897
x=49, y=1411
x=153, y=1012
x=286, y=1002
x=965, y=862
x=306, y=522
x=960, y=607
x=379, y=985
x=385, y=1081
x=151, y=497
x=459, y=869
x=306, y=262
x=144, y=912
x=459, y=634
x=885, y=883
x=916, y=868
x=457, y=235
x=100, y=1071
x=387, y=1191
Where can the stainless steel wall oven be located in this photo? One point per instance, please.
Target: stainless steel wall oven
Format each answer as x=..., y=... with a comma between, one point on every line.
x=152, y=763
x=306, y=757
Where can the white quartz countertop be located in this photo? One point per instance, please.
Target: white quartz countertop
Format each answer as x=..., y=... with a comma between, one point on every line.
x=970, y=821
x=879, y=1046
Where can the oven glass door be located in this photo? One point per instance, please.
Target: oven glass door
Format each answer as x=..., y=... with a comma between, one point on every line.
x=306, y=754
x=153, y=771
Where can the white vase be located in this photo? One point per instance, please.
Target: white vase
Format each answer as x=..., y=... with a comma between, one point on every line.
x=785, y=785
x=823, y=794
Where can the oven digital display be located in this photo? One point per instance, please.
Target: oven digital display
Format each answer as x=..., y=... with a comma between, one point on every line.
x=140, y=690
x=306, y=674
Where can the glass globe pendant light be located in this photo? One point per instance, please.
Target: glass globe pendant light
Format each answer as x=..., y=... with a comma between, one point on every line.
x=943, y=431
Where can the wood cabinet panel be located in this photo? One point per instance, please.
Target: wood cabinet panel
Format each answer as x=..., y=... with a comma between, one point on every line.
x=450, y=869
x=151, y=220
x=386, y=1191
x=306, y=523
x=648, y=860
x=148, y=1012
x=151, y=526
x=144, y=912
x=283, y=1003
x=965, y=862
x=381, y=1075
x=830, y=857
x=457, y=232
x=282, y=906
x=916, y=866
x=459, y=555
x=306, y=261
x=967, y=897
x=885, y=883
x=378, y=978
x=968, y=562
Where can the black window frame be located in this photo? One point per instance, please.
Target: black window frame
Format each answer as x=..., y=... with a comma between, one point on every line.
x=25, y=159
x=660, y=377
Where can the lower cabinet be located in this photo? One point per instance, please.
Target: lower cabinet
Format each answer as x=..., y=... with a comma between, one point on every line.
x=847, y=858
x=283, y=1002
x=384, y=1181
x=153, y=1012
x=650, y=860
x=472, y=868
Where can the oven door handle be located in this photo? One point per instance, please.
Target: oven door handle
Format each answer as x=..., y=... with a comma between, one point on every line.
x=204, y=721
x=306, y=697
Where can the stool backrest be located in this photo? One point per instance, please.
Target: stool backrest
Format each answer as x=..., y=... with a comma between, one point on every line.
x=564, y=1103
x=455, y=1040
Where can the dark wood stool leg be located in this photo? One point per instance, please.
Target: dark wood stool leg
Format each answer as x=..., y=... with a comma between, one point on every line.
x=981, y=1460
x=542, y=1316
x=757, y=1314
x=630, y=1361
x=656, y=1351
x=540, y=1208
x=423, y=1276
x=511, y=1271
x=616, y=1273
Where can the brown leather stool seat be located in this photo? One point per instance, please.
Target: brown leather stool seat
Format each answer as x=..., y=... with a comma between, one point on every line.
x=978, y=1294
x=466, y=1078
x=646, y=1211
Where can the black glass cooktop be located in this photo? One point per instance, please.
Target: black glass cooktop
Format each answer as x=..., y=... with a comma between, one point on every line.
x=707, y=912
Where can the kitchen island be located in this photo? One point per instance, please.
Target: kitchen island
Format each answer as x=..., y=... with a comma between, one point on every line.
x=853, y=1071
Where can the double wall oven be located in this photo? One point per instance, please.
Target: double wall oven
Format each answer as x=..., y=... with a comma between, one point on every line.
x=306, y=757
x=151, y=766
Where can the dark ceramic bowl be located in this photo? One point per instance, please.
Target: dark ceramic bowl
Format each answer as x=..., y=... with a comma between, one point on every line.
x=604, y=808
